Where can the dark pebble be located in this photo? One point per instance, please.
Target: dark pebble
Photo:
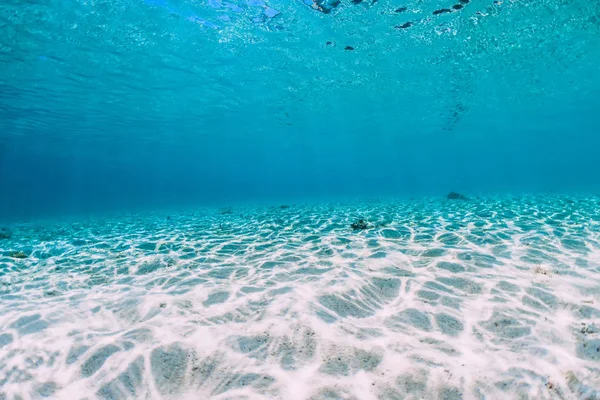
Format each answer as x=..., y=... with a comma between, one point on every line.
x=348, y=48
x=400, y=10
x=442, y=11
x=457, y=6
x=360, y=225
x=17, y=254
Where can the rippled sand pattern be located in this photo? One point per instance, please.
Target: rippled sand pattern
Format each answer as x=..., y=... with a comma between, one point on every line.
x=489, y=298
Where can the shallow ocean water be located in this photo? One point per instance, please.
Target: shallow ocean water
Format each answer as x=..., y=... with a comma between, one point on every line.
x=122, y=122
x=146, y=103
x=486, y=298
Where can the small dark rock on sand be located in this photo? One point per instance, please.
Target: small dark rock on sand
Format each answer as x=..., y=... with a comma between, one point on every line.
x=284, y=207
x=587, y=329
x=456, y=196
x=4, y=233
x=17, y=254
x=360, y=225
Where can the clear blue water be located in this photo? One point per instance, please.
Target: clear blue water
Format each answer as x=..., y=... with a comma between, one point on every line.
x=116, y=104
x=248, y=199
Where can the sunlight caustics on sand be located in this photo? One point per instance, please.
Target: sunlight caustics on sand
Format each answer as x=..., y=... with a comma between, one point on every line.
x=483, y=298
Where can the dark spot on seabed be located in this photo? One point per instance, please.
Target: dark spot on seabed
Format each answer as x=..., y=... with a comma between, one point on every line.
x=284, y=206
x=348, y=48
x=360, y=225
x=465, y=1
x=456, y=196
x=400, y=10
x=442, y=11
x=17, y=254
x=457, y=6
x=404, y=26
x=329, y=43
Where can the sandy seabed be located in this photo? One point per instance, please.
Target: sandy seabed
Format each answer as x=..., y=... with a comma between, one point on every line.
x=493, y=298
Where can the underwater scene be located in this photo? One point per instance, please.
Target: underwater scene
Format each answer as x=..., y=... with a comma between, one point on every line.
x=299, y=199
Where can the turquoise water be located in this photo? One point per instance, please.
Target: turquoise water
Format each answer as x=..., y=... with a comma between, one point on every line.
x=250, y=199
x=132, y=103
